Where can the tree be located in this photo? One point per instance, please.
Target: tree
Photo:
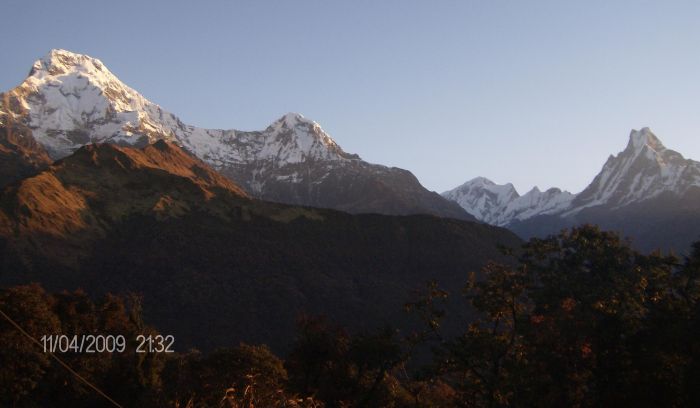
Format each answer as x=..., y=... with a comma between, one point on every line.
x=22, y=363
x=29, y=377
x=257, y=375
x=581, y=319
x=343, y=370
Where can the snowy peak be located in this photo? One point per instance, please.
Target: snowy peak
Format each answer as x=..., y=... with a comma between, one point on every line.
x=291, y=120
x=484, y=199
x=75, y=73
x=70, y=100
x=294, y=139
x=536, y=202
x=486, y=183
x=59, y=62
x=639, y=139
x=644, y=170
x=501, y=204
x=304, y=130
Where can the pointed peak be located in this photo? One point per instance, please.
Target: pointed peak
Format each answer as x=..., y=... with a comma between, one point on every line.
x=292, y=119
x=644, y=137
x=534, y=192
x=59, y=61
x=301, y=126
x=305, y=138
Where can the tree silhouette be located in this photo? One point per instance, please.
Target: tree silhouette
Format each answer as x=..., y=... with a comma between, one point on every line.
x=581, y=319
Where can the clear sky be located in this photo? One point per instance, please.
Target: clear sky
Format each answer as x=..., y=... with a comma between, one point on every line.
x=528, y=92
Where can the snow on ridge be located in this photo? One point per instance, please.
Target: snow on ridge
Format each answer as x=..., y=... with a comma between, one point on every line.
x=500, y=204
x=645, y=137
x=644, y=170
x=71, y=99
x=536, y=202
x=306, y=136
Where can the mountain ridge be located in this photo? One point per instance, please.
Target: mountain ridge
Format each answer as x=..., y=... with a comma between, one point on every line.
x=215, y=266
x=645, y=169
x=644, y=184
x=70, y=100
x=502, y=204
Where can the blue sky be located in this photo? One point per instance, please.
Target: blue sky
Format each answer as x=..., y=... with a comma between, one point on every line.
x=534, y=93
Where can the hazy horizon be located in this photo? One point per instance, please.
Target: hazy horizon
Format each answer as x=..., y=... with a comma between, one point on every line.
x=529, y=94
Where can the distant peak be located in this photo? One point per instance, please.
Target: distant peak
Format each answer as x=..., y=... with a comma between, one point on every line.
x=304, y=136
x=481, y=180
x=644, y=137
x=293, y=116
x=293, y=120
x=479, y=183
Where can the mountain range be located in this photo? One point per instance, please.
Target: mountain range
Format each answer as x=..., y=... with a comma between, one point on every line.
x=232, y=235
x=647, y=192
x=216, y=266
x=70, y=100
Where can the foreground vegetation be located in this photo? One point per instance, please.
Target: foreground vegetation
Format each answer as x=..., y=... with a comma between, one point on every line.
x=579, y=319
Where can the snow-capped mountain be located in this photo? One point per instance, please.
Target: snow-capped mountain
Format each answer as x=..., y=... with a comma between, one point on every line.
x=647, y=192
x=644, y=170
x=483, y=198
x=535, y=202
x=500, y=204
x=69, y=100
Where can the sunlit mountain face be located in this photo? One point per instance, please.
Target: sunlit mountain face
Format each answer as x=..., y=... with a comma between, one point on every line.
x=69, y=100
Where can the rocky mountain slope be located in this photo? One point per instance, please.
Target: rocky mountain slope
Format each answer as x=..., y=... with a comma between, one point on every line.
x=20, y=155
x=69, y=100
x=647, y=192
x=215, y=266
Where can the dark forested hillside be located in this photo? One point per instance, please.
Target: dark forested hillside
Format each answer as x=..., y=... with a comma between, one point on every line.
x=214, y=266
x=578, y=319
